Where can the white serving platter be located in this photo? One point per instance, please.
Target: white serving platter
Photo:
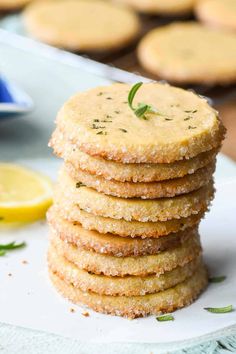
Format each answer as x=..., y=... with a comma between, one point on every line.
x=28, y=299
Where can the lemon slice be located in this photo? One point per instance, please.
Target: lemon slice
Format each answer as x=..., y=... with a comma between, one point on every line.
x=25, y=195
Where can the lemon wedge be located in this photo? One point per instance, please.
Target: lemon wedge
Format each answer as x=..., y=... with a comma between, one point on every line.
x=25, y=195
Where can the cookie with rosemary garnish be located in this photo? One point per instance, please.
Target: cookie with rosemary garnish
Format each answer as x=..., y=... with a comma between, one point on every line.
x=121, y=266
x=161, y=209
x=143, y=190
x=135, y=183
x=126, y=286
x=149, y=123
x=168, y=300
x=112, y=244
x=82, y=25
x=128, y=172
x=190, y=53
x=163, y=7
x=70, y=211
x=217, y=13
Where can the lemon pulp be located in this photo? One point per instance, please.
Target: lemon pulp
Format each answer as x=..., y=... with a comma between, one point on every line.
x=25, y=195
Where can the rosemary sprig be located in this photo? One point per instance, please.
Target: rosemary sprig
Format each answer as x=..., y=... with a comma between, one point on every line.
x=79, y=184
x=10, y=247
x=225, y=309
x=165, y=318
x=218, y=279
x=142, y=108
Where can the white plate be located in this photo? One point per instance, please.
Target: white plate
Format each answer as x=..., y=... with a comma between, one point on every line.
x=28, y=299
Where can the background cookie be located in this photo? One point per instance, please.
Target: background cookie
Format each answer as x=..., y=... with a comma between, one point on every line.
x=161, y=7
x=183, y=126
x=189, y=53
x=151, y=190
x=81, y=25
x=166, y=301
x=127, y=286
x=140, y=265
x=126, y=172
x=217, y=13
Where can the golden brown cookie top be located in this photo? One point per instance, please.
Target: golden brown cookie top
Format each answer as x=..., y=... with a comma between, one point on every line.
x=188, y=52
x=82, y=24
x=101, y=123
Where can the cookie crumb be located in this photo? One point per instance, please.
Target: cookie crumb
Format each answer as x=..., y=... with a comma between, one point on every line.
x=85, y=314
x=25, y=261
x=72, y=310
x=9, y=274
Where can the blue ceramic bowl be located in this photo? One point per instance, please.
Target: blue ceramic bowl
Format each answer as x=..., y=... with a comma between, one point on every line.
x=13, y=101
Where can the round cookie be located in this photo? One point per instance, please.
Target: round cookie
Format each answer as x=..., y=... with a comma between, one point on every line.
x=161, y=209
x=109, y=243
x=82, y=25
x=122, y=266
x=101, y=123
x=11, y=5
x=151, y=190
x=161, y=7
x=217, y=13
x=137, y=306
x=127, y=286
x=127, y=172
x=189, y=53
x=71, y=212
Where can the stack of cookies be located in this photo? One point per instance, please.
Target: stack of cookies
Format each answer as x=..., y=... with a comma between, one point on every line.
x=135, y=183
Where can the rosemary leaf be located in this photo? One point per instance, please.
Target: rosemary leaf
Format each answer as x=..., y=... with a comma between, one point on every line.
x=139, y=112
x=12, y=246
x=165, y=318
x=4, y=248
x=225, y=309
x=132, y=93
x=218, y=279
x=79, y=184
x=141, y=108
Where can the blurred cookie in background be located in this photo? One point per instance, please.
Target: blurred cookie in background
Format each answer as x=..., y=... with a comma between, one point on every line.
x=161, y=7
x=12, y=5
x=82, y=25
x=217, y=13
x=189, y=53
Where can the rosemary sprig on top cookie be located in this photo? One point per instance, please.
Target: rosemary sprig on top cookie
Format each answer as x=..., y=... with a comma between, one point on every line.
x=142, y=108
